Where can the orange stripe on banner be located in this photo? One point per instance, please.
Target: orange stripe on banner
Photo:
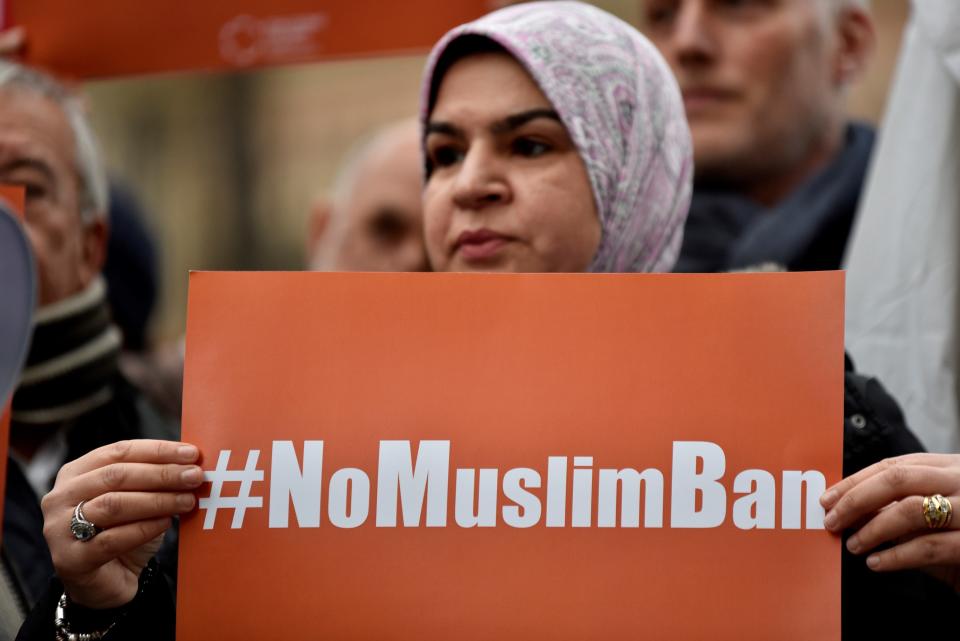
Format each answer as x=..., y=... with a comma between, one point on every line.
x=99, y=38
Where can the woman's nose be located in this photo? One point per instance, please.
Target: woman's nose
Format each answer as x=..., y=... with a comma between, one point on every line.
x=481, y=180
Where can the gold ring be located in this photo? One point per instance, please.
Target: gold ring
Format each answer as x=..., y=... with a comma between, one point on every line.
x=937, y=511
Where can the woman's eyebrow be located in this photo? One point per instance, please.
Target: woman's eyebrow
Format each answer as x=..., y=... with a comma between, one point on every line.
x=445, y=128
x=505, y=125
x=518, y=120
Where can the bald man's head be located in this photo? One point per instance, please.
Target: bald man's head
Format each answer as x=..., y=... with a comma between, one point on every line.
x=374, y=221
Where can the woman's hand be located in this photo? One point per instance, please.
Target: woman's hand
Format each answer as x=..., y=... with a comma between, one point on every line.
x=131, y=490
x=883, y=504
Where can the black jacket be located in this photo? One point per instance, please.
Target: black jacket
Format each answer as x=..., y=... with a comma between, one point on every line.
x=876, y=605
x=126, y=416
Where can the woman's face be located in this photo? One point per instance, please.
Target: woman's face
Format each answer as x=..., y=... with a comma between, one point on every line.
x=508, y=191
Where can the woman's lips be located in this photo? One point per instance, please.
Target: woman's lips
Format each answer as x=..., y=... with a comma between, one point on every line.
x=480, y=244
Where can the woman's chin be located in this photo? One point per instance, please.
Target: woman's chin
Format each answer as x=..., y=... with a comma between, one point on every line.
x=502, y=262
x=493, y=268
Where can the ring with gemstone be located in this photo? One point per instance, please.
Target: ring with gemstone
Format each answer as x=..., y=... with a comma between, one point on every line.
x=937, y=511
x=82, y=529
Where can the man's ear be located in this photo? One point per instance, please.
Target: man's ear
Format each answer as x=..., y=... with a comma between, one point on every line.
x=317, y=228
x=95, y=236
x=856, y=40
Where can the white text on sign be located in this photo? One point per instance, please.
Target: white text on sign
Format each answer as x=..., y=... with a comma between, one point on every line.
x=414, y=491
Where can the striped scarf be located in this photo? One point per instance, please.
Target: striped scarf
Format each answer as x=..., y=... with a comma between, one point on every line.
x=72, y=360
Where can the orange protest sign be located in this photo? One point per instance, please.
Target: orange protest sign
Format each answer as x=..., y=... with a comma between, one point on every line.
x=13, y=321
x=478, y=456
x=99, y=38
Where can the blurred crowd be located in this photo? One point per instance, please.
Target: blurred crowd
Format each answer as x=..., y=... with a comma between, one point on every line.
x=778, y=179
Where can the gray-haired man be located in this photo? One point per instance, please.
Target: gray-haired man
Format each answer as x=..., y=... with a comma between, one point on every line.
x=779, y=171
x=70, y=397
x=779, y=167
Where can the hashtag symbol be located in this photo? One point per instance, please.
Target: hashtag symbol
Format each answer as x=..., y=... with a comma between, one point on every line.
x=239, y=503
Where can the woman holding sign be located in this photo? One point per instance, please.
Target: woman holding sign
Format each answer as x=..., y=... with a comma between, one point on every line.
x=555, y=140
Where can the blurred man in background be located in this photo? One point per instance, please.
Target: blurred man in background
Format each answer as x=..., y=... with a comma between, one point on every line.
x=373, y=222
x=71, y=397
x=779, y=174
x=779, y=168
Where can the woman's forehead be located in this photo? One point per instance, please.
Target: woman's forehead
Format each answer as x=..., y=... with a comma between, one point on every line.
x=486, y=86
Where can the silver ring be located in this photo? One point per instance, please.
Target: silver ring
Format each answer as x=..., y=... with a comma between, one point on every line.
x=82, y=529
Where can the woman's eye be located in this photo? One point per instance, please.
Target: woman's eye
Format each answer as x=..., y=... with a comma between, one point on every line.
x=529, y=148
x=445, y=156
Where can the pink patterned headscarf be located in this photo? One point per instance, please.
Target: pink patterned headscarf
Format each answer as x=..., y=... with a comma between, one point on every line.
x=622, y=107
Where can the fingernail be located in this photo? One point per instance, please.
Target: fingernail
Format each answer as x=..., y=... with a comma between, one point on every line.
x=185, y=501
x=187, y=452
x=873, y=561
x=192, y=476
x=853, y=544
x=828, y=497
x=830, y=521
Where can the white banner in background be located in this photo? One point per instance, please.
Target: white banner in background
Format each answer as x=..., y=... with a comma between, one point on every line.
x=903, y=266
